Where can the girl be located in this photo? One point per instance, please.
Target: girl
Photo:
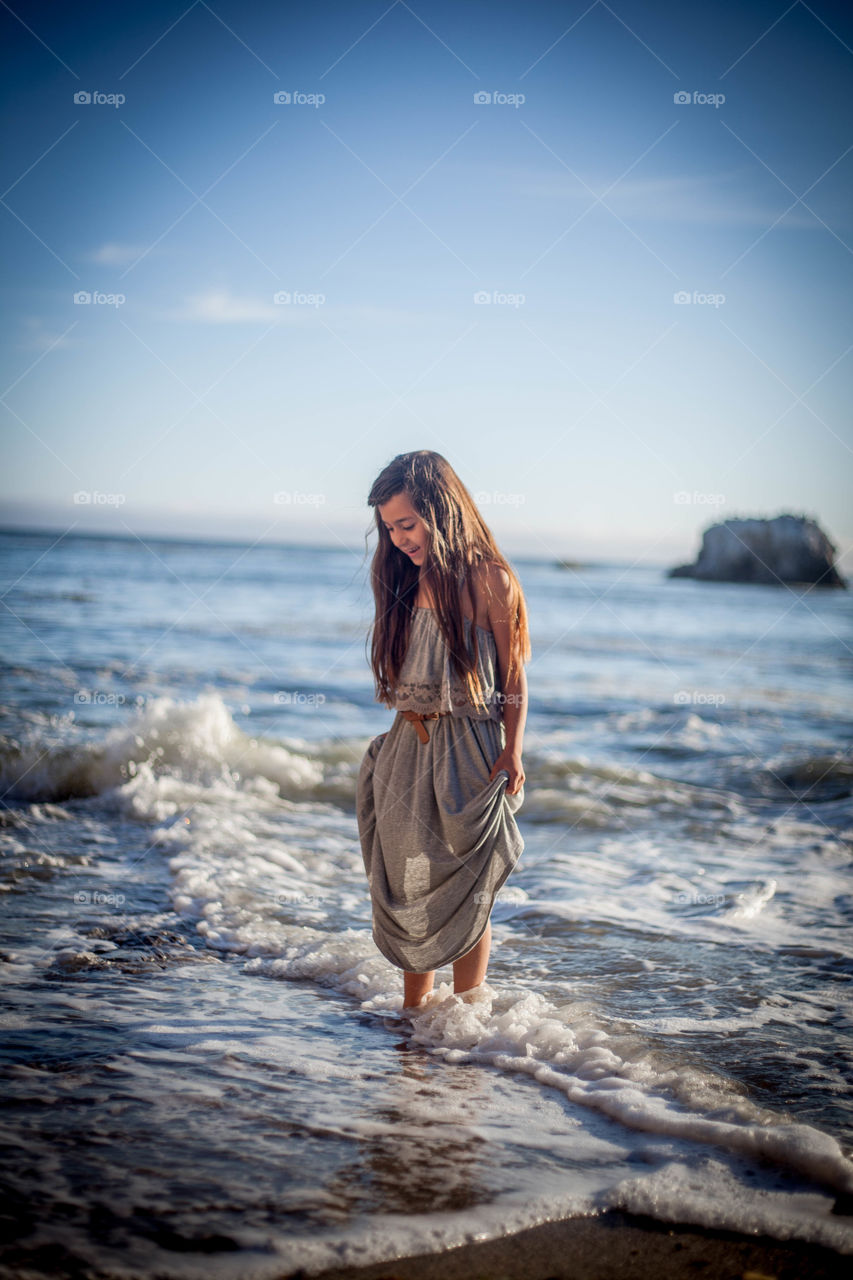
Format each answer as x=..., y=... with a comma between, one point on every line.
x=437, y=793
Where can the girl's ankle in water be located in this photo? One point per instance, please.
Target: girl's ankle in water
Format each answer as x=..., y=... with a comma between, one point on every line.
x=425, y=1000
x=475, y=995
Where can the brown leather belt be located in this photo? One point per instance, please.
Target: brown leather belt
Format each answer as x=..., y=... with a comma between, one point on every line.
x=417, y=718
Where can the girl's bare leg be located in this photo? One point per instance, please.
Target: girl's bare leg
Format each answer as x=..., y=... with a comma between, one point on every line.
x=470, y=970
x=415, y=987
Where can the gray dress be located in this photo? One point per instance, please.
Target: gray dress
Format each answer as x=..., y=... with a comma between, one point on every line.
x=437, y=837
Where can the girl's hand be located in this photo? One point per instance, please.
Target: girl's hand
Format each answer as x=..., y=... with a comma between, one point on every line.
x=511, y=761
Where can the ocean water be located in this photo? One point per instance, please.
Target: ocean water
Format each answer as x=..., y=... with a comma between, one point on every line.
x=204, y=1068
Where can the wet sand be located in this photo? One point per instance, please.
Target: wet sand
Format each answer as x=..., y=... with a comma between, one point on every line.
x=612, y=1246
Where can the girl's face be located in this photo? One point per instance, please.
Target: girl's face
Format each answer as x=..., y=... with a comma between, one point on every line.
x=406, y=529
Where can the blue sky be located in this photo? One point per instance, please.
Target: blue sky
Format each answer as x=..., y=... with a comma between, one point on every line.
x=594, y=415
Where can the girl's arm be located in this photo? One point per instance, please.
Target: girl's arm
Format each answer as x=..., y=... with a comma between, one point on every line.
x=515, y=712
x=514, y=688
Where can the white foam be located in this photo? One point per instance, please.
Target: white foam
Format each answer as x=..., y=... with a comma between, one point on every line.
x=196, y=742
x=266, y=869
x=710, y=1195
x=240, y=850
x=569, y=1050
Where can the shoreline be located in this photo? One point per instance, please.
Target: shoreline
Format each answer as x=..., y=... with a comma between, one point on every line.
x=609, y=1246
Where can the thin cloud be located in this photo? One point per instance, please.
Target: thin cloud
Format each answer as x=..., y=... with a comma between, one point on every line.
x=113, y=254
x=218, y=306
x=41, y=339
x=713, y=199
x=221, y=307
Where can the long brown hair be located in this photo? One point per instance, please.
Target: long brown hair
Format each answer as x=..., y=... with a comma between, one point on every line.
x=460, y=542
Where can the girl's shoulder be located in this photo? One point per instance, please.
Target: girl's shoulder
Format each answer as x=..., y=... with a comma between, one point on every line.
x=488, y=581
x=492, y=583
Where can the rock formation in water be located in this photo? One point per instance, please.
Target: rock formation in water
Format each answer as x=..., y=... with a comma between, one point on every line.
x=785, y=549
